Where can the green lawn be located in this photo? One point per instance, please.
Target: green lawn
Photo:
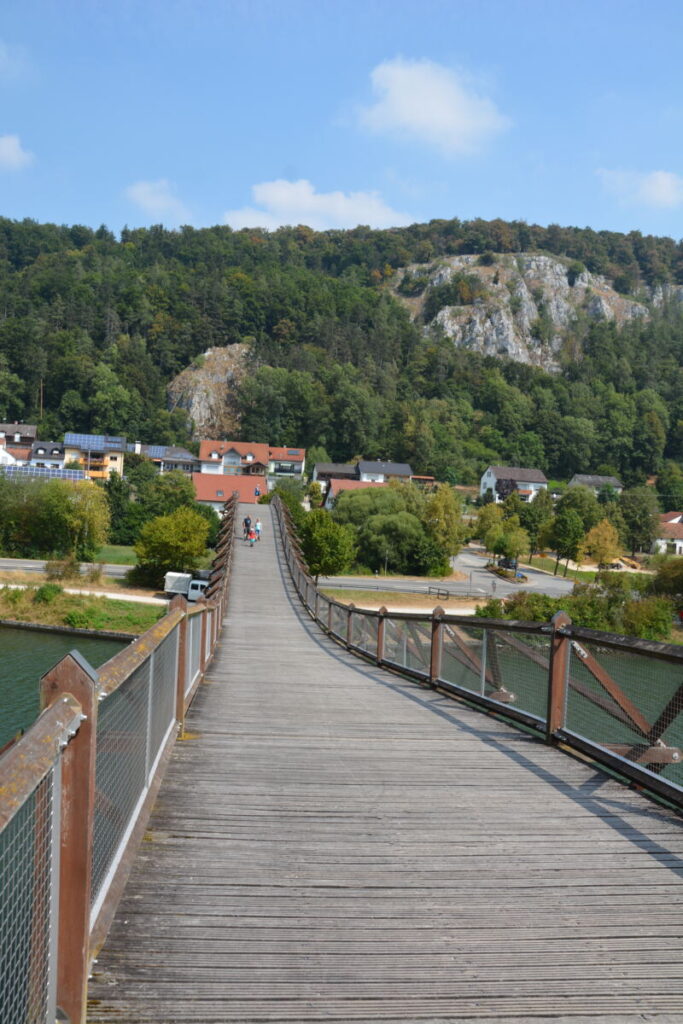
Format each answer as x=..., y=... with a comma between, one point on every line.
x=584, y=575
x=116, y=554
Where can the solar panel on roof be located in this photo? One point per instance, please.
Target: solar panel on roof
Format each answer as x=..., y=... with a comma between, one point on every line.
x=93, y=442
x=44, y=472
x=156, y=451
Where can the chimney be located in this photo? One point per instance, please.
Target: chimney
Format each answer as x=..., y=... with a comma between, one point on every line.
x=138, y=447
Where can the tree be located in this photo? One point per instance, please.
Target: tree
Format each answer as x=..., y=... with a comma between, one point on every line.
x=638, y=506
x=670, y=487
x=443, y=519
x=513, y=542
x=315, y=494
x=489, y=516
x=582, y=500
x=602, y=542
x=174, y=542
x=566, y=536
x=328, y=547
x=535, y=517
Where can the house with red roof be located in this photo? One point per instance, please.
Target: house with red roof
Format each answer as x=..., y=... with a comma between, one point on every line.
x=247, y=458
x=670, y=535
x=214, y=490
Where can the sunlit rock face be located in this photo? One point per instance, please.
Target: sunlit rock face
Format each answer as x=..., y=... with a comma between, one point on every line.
x=530, y=304
x=207, y=391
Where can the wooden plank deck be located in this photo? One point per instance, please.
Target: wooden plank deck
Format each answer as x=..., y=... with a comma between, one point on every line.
x=335, y=843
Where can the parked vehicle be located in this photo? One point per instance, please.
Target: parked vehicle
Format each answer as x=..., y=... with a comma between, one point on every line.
x=190, y=586
x=508, y=563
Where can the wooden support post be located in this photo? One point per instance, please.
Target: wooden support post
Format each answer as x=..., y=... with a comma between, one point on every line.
x=329, y=617
x=437, y=645
x=349, y=625
x=381, y=624
x=558, y=675
x=180, y=603
x=74, y=675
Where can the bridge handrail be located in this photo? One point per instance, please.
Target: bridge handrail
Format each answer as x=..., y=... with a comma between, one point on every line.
x=76, y=792
x=617, y=699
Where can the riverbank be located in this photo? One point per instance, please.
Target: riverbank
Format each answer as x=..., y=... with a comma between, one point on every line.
x=52, y=606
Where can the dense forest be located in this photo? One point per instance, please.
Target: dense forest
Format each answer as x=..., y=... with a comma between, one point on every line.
x=93, y=328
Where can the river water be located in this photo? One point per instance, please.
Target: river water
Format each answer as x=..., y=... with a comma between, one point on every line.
x=26, y=655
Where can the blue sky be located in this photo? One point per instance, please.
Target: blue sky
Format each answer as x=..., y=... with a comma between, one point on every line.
x=335, y=113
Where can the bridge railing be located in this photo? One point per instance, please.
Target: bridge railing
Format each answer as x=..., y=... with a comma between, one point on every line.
x=618, y=700
x=76, y=792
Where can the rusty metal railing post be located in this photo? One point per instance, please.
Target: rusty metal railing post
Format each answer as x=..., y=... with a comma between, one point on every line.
x=381, y=624
x=437, y=645
x=180, y=604
x=74, y=675
x=329, y=617
x=560, y=646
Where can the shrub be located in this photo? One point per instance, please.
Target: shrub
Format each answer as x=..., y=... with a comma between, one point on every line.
x=63, y=569
x=47, y=593
x=77, y=618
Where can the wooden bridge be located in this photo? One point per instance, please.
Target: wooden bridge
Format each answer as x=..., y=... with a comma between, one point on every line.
x=333, y=842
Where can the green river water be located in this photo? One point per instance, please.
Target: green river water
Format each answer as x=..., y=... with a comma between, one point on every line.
x=25, y=655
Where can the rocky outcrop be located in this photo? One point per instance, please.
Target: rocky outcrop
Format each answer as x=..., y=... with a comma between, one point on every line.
x=207, y=391
x=530, y=304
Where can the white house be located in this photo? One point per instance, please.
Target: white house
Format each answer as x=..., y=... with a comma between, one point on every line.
x=381, y=472
x=503, y=480
x=47, y=454
x=670, y=539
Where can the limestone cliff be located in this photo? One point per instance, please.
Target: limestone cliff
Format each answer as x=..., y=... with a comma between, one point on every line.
x=207, y=391
x=524, y=306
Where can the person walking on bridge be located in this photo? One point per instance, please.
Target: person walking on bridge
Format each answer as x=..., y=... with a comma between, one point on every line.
x=258, y=527
x=246, y=526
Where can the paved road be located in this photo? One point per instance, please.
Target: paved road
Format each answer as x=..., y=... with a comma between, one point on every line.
x=38, y=565
x=479, y=582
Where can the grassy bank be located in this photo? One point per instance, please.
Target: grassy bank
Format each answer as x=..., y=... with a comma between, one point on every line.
x=396, y=600
x=48, y=605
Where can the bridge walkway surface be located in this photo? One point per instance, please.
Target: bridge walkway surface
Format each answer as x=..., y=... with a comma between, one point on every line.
x=333, y=842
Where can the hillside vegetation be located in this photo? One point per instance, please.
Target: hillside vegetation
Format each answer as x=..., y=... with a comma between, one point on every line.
x=94, y=328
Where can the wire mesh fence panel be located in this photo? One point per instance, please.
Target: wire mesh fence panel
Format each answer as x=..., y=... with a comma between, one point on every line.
x=338, y=621
x=28, y=881
x=163, y=694
x=463, y=657
x=365, y=632
x=189, y=677
x=418, y=646
x=121, y=768
x=208, y=614
x=628, y=701
x=195, y=624
x=323, y=609
x=517, y=669
x=394, y=641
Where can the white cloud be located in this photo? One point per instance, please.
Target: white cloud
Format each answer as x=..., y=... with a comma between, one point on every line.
x=297, y=202
x=156, y=199
x=13, y=156
x=419, y=100
x=662, y=189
